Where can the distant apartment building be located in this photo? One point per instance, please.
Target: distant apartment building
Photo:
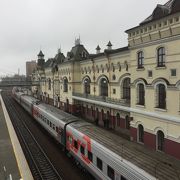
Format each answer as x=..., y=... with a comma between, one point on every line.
x=30, y=67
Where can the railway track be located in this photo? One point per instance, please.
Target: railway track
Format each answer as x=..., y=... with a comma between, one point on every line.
x=40, y=165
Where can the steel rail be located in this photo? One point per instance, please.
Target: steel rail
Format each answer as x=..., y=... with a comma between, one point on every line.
x=40, y=165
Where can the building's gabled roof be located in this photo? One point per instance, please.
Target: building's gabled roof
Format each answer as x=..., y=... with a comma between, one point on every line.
x=109, y=51
x=109, y=44
x=98, y=48
x=59, y=58
x=78, y=52
x=53, y=62
x=40, y=53
x=171, y=7
x=49, y=63
x=113, y=51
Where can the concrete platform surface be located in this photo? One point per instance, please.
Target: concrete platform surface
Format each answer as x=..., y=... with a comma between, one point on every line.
x=12, y=159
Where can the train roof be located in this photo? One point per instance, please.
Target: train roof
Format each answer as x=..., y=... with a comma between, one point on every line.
x=155, y=163
x=20, y=93
x=59, y=114
x=30, y=98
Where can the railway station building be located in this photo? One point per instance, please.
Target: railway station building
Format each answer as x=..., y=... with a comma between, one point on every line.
x=132, y=90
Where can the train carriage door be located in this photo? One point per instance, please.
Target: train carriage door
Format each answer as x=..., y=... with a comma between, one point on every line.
x=62, y=136
x=59, y=131
x=117, y=176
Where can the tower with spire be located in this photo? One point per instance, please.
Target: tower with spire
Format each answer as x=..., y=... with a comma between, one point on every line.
x=41, y=60
x=109, y=45
x=98, y=49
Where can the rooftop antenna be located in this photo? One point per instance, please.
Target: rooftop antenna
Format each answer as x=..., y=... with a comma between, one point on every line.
x=59, y=50
x=77, y=41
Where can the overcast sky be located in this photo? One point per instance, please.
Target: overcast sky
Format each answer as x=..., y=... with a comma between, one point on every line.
x=30, y=25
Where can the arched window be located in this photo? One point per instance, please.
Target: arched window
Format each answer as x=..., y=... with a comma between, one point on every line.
x=104, y=87
x=126, y=89
x=119, y=66
x=102, y=69
x=84, y=55
x=140, y=60
x=107, y=67
x=87, y=86
x=85, y=70
x=161, y=57
x=161, y=96
x=126, y=65
x=160, y=140
x=97, y=69
x=49, y=84
x=140, y=133
x=89, y=69
x=127, y=122
x=141, y=94
x=112, y=67
x=65, y=84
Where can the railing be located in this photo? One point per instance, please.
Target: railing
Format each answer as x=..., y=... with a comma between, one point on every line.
x=124, y=102
x=19, y=83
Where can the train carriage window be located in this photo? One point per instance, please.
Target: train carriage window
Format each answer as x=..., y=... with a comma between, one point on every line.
x=54, y=126
x=50, y=124
x=70, y=139
x=123, y=178
x=110, y=172
x=99, y=163
x=90, y=156
x=75, y=144
x=82, y=150
x=57, y=129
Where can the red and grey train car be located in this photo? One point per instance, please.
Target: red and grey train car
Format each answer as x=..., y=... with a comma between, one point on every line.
x=84, y=141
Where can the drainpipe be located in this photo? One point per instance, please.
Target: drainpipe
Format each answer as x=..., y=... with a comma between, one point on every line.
x=109, y=62
x=92, y=60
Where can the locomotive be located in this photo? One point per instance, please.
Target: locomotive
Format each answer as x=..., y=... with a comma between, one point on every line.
x=88, y=144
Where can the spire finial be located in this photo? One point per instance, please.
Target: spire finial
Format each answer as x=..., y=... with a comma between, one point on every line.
x=77, y=41
x=59, y=50
x=109, y=45
x=98, y=49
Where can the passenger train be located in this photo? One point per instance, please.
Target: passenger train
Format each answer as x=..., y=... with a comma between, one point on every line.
x=81, y=140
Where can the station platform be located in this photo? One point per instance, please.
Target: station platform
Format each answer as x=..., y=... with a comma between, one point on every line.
x=13, y=165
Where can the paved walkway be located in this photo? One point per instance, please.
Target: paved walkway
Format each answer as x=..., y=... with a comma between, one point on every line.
x=12, y=160
x=7, y=157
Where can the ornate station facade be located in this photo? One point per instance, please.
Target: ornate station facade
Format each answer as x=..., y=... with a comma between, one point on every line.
x=133, y=91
